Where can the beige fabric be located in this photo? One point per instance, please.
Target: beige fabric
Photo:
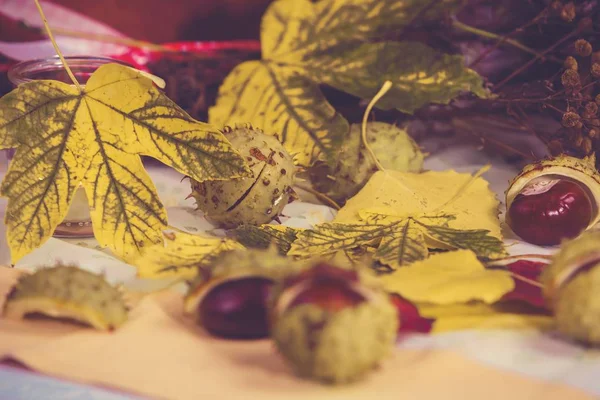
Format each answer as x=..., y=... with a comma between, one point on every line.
x=161, y=354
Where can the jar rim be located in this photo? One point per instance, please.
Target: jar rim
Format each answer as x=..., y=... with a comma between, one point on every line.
x=20, y=72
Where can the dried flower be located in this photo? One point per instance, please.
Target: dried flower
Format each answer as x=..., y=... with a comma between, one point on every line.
x=595, y=70
x=571, y=63
x=568, y=12
x=570, y=79
x=586, y=145
x=570, y=119
x=590, y=110
x=593, y=133
x=583, y=47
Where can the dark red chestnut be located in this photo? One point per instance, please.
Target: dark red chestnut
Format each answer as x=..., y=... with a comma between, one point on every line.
x=237, y=309
x=549, y=211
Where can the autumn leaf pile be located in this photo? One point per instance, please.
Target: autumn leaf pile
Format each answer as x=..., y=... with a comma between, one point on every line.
x=433, y=237
x=436, y=249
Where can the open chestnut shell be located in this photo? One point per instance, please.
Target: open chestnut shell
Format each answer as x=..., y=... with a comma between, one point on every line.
x=553, y=200
x=230, y=298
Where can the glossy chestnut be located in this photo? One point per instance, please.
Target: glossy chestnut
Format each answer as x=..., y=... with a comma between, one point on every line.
x=237, y=309
x=550, y=210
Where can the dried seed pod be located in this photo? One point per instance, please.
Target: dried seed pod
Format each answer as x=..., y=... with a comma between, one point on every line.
x=571, y=63
x=583, y=47
x=333, y=324
x=254, y=200
x=394, y=148
x=230, y=297
x=590, y=110
x=568, y=12
x=571, y=283
x=570, y=79
x=595, y=70
x=570, y=119
x=554, y=199
x=67, y=292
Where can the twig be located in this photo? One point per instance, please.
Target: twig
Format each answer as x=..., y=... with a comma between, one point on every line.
x=62, y=59
x=502, y=39
x=533, y=60
x=506, y=38
x=526, y=280
x=320, y=195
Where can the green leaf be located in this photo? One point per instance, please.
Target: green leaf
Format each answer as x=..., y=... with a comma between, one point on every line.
x=398, y=241
x=420, y=74
x=405, y=247
x=477, y=240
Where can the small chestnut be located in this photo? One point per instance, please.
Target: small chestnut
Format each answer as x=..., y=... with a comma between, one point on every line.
x=237, y=309
x=550, y=210
x=230, y=297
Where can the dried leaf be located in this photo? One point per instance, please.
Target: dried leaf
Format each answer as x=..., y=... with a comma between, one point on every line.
x=409, y=316
x=449, y=278
x=181, y=255
x=94, y=138
x=261, y=237
x=305, y=44
x=526, y=291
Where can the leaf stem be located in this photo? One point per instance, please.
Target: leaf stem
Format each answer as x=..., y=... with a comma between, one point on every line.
x=55, y=45
x=387, y=85
x=463, y=188
x=502, y=39
x=320, y=195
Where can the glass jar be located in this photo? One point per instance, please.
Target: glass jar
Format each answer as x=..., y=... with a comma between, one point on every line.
x=77, y=223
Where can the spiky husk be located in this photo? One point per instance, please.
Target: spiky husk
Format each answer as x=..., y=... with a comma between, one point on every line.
x=334, y=347
x=67, y=292
x=255, y=200
x=394, y=148
x=571, y=283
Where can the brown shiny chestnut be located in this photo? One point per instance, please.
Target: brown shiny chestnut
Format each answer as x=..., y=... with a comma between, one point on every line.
x=549, y=211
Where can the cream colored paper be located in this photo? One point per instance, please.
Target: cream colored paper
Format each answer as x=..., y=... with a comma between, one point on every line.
x=161, y=354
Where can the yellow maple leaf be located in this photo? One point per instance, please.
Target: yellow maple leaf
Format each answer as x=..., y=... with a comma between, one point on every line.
x=449, y=278
x=404, y=194
x=67, y=138
x=480, y=316
x=306, y=44
x=181, y=255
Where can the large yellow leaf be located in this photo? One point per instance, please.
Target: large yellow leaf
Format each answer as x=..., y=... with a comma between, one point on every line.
x=94, y=138
x=448, y=278
x=404, y=194
x=181, y=255
x=280, y=100
x=338, y=43
x=481, y=316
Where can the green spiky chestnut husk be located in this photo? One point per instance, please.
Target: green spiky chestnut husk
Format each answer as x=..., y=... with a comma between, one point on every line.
x=332, y=324
x=394, y=148
x=571, y=285
x=229, y=298
x=253, y=200
x=67, y=292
